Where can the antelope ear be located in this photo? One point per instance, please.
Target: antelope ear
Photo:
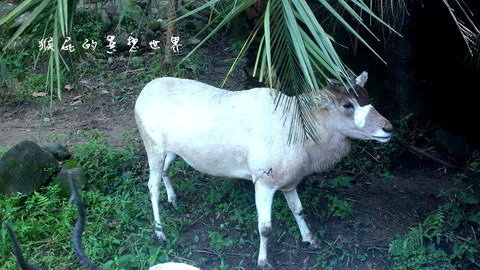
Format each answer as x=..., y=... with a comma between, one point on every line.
x=362, y=79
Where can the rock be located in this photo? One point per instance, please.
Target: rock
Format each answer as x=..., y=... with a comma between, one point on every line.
x=128, y=8
x=157, y=25
x=5, y=8
x=136, y=12
x=26, y=167
x=136, y=62
x=194, y=41
x=122, y=41
x=122, y=5
x=59, y=151
x=78, y=176
x=159, y=9
x=104, y=20
x=163, y=23
x=229, y=62
x=183, y=11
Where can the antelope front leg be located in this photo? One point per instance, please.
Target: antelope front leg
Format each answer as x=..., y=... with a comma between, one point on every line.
x=295, y=206
x=263, y=201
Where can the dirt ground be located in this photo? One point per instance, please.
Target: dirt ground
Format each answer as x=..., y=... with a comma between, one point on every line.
x=384, y=210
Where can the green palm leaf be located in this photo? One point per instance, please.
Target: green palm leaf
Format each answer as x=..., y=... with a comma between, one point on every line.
x=53, y=17
x=295, y=55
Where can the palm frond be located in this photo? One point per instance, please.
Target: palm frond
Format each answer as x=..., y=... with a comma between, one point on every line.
x=295, y=55
x=53, y=18
x=468, y=29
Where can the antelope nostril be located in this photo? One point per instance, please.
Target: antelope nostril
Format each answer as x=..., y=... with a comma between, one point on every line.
x=388, y=129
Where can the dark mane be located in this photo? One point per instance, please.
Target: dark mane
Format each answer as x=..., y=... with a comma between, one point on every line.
x=338, y=89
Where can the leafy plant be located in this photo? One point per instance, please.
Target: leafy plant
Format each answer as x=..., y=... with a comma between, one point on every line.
x=447, y=238
x=296, y=52
x=338, y=207
x=47, y=18
x=218, y=241
x=340, y=181
x=367, y=157
x=86, y=26
x=102, y=163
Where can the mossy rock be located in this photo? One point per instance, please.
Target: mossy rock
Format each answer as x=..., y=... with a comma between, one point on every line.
x=77, y=174
x=59, y=151
x=136, y=62
x=104, y=20
x=26, y=167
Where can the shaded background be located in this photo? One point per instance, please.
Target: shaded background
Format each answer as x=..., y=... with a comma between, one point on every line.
x=429, y=73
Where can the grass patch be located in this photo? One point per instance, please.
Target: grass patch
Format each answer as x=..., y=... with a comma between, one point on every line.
x=446, y=239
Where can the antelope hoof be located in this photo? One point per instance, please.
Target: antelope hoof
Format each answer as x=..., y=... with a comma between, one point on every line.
x=160, y=236
x=264, y=265
x=312, y=244
x=173, y=200
x=174, y=203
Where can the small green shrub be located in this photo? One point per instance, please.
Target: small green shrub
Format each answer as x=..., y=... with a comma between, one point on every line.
x=447, y=238
x=338, y=207
x=369, y=157
x=3, y=149
x=105, y=166
x=37, y=228
x=86, y=26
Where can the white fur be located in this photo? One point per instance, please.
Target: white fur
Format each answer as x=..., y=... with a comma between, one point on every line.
x=381, y=136
x=173, y=266
x=360, y=115
x=240, y=135
x=295, y=206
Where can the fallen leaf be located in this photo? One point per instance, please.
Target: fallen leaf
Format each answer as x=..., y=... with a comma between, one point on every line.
x=76, y=102
x=39, y=94
x=77, y=97
x=69, y=87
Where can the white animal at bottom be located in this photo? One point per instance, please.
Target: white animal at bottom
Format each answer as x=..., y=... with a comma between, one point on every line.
x=173, y=266
x=243, y=134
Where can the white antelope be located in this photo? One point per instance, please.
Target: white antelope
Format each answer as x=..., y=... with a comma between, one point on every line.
x=241, y=134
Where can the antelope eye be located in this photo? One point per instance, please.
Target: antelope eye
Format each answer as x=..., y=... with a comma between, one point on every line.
x=348, y=106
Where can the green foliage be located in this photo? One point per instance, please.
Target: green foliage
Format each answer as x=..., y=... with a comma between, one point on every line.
x=369, y=157
x=42, y=221
x=118, y=232
x=106, y=166
x=3, y=149
x=221, y=214
x=18, y=63
x=86, y=26
x=462, y=204
x=338, y=207
x=47, y=19
x=340, y=181
x=447, y=238
x=217, y=241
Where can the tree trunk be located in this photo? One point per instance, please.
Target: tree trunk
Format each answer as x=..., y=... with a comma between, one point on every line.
x=169, y=32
